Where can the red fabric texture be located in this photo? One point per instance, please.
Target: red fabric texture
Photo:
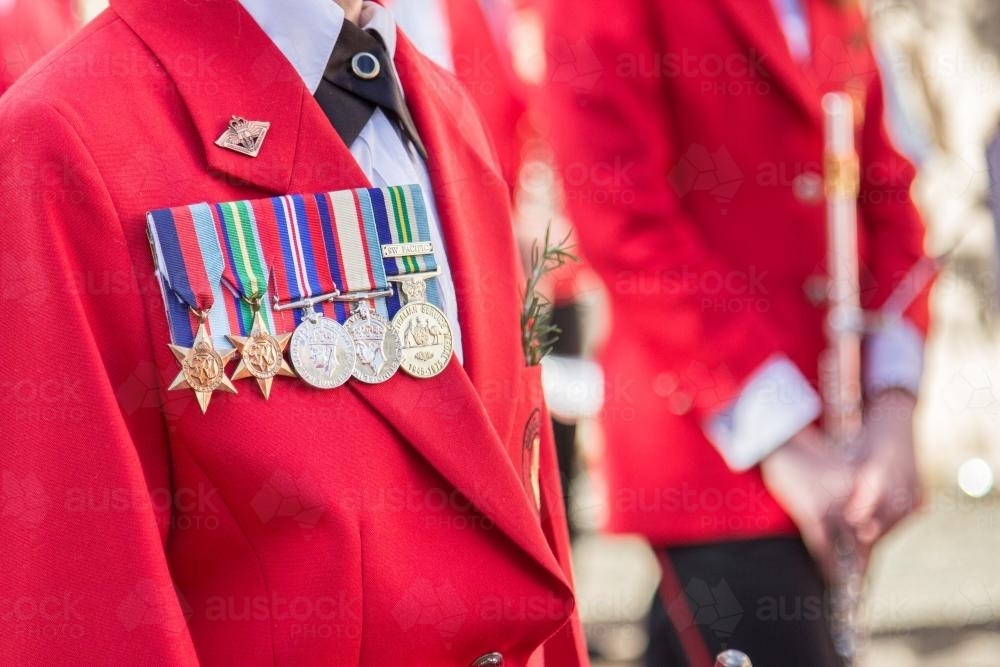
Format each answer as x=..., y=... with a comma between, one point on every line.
x=358, y=526
x=682, y=129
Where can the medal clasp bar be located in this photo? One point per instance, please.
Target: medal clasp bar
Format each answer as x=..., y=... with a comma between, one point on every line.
x=421, y=275
x=411, y=249
x=309, y=302
x=364, y=296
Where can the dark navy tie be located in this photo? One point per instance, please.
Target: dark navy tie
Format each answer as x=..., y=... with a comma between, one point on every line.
x=359, y=78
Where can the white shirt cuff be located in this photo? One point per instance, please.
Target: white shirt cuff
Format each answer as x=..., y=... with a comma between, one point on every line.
x=776, y=402
x=894, y=358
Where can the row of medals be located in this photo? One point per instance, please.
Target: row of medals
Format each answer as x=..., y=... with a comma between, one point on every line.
x=324, y=353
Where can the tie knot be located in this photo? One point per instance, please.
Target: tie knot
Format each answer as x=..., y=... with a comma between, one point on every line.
x=358, y=52
x=359, y=79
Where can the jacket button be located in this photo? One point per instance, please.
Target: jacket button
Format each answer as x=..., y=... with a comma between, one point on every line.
x=808, y=187
x=488, y=660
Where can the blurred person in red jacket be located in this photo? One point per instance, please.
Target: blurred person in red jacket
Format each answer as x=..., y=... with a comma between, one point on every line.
x=28, y=30
x=691, y=142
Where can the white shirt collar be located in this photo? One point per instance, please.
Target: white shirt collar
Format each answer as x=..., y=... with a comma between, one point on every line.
x=305, y=31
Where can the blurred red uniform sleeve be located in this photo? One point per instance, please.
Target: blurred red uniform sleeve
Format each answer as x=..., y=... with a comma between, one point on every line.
x=83, y=571
x=616, y=145
x=28, y=30
x=894, y=228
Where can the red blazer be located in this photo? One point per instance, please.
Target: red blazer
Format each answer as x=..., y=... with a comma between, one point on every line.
x=692, y=148
x=361, y=526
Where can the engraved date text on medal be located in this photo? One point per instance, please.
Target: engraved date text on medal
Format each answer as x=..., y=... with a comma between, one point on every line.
x=424, y=331
x=427, y=340
x=376, y=343
x=322, y=352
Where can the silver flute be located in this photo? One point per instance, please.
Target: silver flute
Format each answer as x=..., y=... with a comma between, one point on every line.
x=840, y=365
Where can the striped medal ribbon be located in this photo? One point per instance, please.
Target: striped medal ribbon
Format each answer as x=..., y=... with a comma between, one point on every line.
x=262, y=354
x=408, y=256
x=376, y=341
x=189, y=266
x=296, y=230
x=324, y=245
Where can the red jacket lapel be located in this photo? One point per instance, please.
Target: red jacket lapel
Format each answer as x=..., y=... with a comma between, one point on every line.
x=841, y=57
x=472, y=202
x=756, y=21
x=471, y=198
x=241, y=72
x=302, y=153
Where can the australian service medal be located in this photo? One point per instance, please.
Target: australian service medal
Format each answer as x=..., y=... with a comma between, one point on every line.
x=425, y=333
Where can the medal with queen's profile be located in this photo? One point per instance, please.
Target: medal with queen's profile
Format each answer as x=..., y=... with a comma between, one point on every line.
x=424, y=331
x=376, y=344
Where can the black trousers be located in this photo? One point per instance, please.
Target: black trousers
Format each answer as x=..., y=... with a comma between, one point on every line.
x=569, y=344
x=763, y=597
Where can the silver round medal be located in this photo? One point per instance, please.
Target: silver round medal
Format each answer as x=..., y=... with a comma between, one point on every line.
x=427, y=339
x=376, y=345
x=322, y=352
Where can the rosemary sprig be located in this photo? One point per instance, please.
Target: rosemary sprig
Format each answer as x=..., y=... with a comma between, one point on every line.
x=538, y=333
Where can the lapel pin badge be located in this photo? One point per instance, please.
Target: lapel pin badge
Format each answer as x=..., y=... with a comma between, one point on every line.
x=244, y=136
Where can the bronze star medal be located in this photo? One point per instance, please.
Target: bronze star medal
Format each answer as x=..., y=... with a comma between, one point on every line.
x=262, y=355
x=203, y=368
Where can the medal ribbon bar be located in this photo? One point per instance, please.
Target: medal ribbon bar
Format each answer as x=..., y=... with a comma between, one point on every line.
x=297, y=232
x=190, y=261
x=245, y=271
x=404, y=235
x=425, y=333
x=361, y=270
x=191, y=264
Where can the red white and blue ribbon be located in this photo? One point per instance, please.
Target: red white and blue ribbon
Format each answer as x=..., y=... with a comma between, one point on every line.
x=321, y=244
x=190, y=266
